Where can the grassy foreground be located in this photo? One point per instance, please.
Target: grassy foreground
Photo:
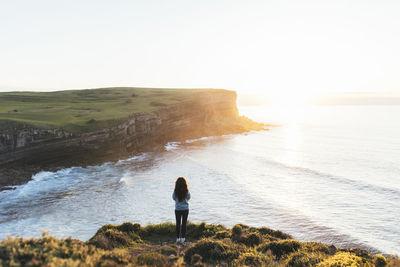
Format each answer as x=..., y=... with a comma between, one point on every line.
x=209, y=245
x=81, y=110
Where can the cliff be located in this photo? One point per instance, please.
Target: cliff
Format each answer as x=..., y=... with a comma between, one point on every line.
x=207, y=245
x=26, y=148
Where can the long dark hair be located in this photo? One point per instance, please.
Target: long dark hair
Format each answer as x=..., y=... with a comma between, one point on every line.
x=181, y=188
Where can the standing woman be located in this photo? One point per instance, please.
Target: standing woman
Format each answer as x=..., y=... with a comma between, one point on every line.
x=181, y=196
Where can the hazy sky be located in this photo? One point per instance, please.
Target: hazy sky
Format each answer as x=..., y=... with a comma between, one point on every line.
x=249, y=46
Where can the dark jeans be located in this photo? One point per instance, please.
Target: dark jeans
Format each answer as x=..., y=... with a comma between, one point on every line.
x=181, y=215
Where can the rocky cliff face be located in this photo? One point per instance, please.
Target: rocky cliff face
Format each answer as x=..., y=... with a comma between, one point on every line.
x=26, y=151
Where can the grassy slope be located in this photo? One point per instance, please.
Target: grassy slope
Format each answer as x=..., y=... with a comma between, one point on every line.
x=209, y=245
x=82, y=110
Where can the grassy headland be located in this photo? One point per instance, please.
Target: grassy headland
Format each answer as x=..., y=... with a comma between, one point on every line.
x=48, y=131
x=209, y=245
x=83, y=110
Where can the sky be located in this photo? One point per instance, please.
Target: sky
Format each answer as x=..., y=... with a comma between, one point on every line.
x=275, y=47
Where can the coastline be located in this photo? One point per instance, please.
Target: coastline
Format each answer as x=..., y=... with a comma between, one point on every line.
x=17, y=173
x=27, y=149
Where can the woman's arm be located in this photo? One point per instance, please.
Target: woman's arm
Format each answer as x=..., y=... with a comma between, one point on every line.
x=188, y=196
x=173, y=196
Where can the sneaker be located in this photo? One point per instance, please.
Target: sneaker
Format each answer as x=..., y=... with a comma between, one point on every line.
x=182, y=239
x=178, y=240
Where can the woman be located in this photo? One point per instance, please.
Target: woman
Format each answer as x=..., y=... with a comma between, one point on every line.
x=181, y=196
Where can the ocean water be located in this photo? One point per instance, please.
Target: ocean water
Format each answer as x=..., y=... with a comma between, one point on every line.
x=328, y=174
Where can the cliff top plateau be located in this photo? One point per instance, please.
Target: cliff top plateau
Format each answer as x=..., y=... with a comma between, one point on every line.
x=78, y=111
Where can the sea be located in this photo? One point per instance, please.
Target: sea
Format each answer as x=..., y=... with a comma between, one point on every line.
x=320, y=173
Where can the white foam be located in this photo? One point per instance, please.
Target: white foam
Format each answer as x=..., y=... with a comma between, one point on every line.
x=205, y=138
x=40, y=176
x=135, y=158
x=126, y=179
x=172, y=146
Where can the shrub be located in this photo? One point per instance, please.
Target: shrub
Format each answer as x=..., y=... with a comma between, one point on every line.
x=359, y=252
x=210, y=251
x=236, y=232
x=222, y=234
x=380, y=260
x=203, y=230
x=300, y=259
x=153, y=259
x=168, y=250
x=129, y=227
x=251, y=259
x=342, y=259
x=241, y=236
x=319, y=247
x=161, y=229
x=116, y=236
x=51, y=251
x=273, y=233
x=393, y=261
x=252, y=239
x=280, y=248
x=113, y=259
x=156, y=233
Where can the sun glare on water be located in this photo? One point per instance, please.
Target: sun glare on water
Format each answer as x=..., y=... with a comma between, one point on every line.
x=289, y=108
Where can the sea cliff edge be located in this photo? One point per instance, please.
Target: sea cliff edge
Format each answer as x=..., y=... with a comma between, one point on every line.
x=27, y=148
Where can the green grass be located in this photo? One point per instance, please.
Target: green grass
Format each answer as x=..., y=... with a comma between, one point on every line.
x=83, y=110
x=209, y=245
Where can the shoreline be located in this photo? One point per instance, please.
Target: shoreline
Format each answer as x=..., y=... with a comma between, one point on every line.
x=26, y=149
x=15, y=174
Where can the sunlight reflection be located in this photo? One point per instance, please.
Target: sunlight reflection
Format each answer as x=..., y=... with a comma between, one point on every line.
x=292, y=143
x=289, y=113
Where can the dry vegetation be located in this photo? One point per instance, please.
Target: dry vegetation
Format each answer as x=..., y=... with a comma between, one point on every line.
x=209, y=245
